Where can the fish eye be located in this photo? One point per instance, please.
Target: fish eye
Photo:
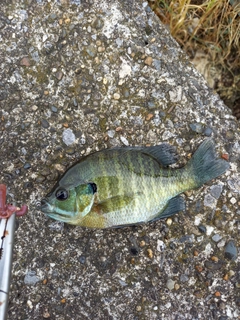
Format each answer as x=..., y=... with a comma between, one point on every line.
x=61, y=194
x=93, y=186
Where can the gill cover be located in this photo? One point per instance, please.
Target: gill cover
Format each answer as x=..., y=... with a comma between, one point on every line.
x=68, y=204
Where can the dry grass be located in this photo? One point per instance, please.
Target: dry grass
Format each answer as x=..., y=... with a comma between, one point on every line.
x=211, y=27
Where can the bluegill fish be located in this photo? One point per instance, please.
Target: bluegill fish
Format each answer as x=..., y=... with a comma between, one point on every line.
x=130, y=185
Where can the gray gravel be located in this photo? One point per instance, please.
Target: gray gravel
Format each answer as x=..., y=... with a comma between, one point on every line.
x=80, y=76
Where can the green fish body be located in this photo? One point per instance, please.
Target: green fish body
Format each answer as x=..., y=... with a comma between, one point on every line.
x=125, y=186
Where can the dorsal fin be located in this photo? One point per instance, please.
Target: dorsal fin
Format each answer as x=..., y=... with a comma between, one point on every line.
x=163, y=153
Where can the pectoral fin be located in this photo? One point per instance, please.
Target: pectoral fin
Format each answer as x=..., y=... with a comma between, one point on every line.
x=112, y=204
x=173, y=206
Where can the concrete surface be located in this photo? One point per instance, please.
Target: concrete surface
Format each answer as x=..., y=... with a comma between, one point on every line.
x=79, y=76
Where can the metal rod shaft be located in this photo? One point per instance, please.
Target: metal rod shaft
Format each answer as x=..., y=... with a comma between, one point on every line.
x=7, y=229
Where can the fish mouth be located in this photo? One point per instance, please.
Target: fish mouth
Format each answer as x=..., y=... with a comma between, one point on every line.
x=46, y=207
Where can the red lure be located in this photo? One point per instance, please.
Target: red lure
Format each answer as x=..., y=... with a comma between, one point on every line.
x=6, y=210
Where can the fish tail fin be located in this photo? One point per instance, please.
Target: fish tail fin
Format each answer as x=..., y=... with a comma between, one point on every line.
x=205, y=165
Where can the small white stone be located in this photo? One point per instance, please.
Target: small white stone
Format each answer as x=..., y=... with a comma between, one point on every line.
x=82, y=139
x=208, y=249
x=229, y=312
x=170, y=284
x=233, y=200
x=209, y=230
x=116, y=96
x=197, y=221
x=29, y=304
x=221, y=243
x=111, y=133
x=34, y=108
x=44, y=38
x=160, y=245
x=200, y=239
x=124, y=141
x=169, y=221
x=168, y=305
x=68, y=137
x=125, y=70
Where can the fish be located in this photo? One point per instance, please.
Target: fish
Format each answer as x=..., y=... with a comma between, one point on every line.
x=125, y=186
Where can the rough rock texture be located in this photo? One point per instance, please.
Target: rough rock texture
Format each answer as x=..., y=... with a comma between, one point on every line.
x=79, y=76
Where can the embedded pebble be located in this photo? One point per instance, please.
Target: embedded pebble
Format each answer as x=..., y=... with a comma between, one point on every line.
x=68, y=137
x=122, y=283
x=150, y=253
x=202, y=228
x=59, y=75
x=169, y=221
x=34, y=108
x=148, y=61
x=46, y=314
x=184, y=278
x=111, y=133
x=59, y=167
x=124, y=141
x=211, y=265
x=231, y=251
x=221, y=243
x=27, y=165
x=25, y=62
x=233, y=200
x=45, y=123
x=161, y=246
x=30, y=278
x=216, y=190
x=126, y=92
x=170, y=284
x=82, y=259
x=210, y=201
x=208, y=132
x=216, y=237
x=29, y=304
x=116, y=96
x=209, y=230
x=56, y=226
x=196, y=127
x=91, y=50
x=151, y=105
x=54, y=109
x=177, y=286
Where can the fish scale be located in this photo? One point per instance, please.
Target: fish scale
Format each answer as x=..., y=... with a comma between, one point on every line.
x=122, y=186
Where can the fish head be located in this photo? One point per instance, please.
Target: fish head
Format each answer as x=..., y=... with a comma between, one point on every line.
x=69, y=204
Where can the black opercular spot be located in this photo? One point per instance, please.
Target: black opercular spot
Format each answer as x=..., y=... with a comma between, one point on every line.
x=61, y=194
x=93, y=186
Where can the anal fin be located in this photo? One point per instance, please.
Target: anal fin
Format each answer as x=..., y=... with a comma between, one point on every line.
x=173, y=206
